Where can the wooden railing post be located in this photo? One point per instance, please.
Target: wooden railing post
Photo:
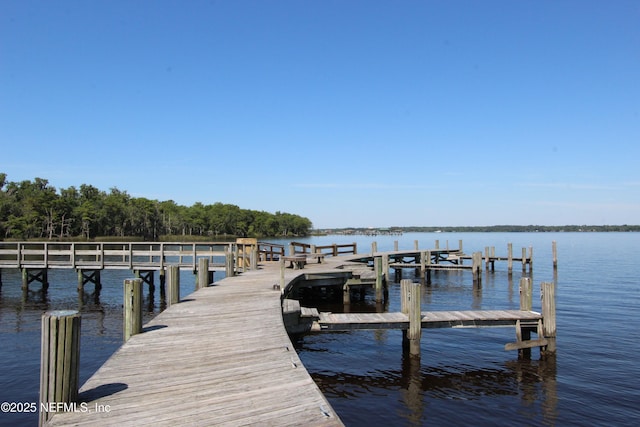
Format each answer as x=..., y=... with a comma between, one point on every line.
x=132, y=323
x=59, y=360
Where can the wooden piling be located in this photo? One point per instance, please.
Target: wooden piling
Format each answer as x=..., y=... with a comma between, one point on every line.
x=132, y=323
x=385, y=266
x=548, y=296
x=510, y=258
x=282, y=267
x=25, y=279
x=59, y=360
x=404, y=295
x=486, y=257
x=427, y=256
x=374, y=248
x=229, y=267
x=415, y=319
x=526, y=294
x=554, y=250
x=476, y=268
x=173, y=285
x=377, y=266
x=204, y=275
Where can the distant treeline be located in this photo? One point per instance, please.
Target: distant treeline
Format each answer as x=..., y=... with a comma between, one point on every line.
x=36, y=210
x=506, y=228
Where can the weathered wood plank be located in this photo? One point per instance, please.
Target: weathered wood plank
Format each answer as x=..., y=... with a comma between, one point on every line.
x=220, y=357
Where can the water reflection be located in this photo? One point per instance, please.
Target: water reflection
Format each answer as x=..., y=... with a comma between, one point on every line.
x=417, y=385
x=354, y=370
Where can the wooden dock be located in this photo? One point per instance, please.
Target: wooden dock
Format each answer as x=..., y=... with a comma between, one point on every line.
x=430, y=320
x=220, y=357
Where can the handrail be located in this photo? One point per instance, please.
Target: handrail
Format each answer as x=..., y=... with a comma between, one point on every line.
x=333, y=249
x=99, y=255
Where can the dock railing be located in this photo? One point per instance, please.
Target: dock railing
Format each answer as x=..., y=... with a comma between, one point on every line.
x=333, y=249
x=112, y=255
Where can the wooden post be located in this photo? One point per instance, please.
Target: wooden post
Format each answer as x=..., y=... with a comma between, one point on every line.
x=486, y=257
x=415, y=245
x=526, y=294
x=510, y=258
x=377, y=266
x=548, y=296
x=427, y=256
x=229, y=267
x=346, y=294
x=282, y=267
x=59, y=360
x=173, y=285
x=554, y=250
x=385, y=267
x=530, y=259
x=374, y=248
x=395, y=245
x=404, y=295
x=524, y=259
x=203, y=273
x=132, y=323
x=25, y=279
x=476, y=259
x=253, y=259
x=423, y=263
x=415, y=319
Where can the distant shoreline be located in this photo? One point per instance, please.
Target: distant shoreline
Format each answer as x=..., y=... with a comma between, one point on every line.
x=490, y=228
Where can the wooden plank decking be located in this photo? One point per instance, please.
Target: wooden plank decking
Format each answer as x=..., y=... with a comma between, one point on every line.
x=430, y=319
x=220, y=357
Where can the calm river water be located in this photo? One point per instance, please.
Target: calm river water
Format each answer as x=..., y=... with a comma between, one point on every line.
x=464, y=376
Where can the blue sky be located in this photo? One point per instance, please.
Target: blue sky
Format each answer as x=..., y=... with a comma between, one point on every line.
x=351, y=113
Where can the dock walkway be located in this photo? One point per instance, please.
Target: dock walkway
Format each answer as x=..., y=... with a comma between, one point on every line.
x=220, y=357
